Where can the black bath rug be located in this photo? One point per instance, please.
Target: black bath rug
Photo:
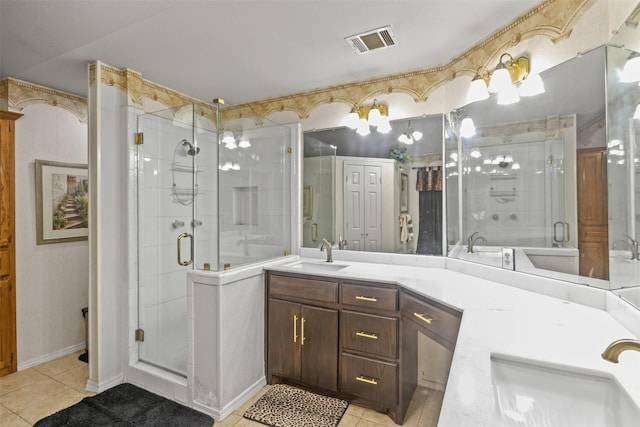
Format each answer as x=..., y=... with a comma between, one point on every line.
x=286, y=406
x=126, y=405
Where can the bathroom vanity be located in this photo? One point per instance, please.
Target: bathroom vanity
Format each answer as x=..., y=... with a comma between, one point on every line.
x=354, y=339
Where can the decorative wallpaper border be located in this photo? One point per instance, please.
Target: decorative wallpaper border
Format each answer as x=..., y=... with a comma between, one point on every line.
x=553, y=19
x=20, y=94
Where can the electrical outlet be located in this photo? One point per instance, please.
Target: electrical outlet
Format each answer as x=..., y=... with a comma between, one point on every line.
x=509, y=258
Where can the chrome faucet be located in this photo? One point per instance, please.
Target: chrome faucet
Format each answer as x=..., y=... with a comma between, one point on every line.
x=326, y=244
x=631, y=243
x=614, y=349
x=342, y=243
x=472, y=240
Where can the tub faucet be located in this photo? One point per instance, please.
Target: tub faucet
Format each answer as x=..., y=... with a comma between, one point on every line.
x=614, y=349
x=631, y=243
x=472, y=240
x=326, y=244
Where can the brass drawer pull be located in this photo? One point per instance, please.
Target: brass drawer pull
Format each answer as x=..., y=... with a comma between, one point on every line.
x=423, y=317
x=363, y=334
x=295, y=328
x=363, y=298
x=364, y=379
x=302, y=330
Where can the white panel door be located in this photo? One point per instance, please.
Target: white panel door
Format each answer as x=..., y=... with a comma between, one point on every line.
x=363, y=207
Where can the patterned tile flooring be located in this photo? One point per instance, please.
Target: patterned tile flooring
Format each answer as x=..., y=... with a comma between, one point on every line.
x=31, y=394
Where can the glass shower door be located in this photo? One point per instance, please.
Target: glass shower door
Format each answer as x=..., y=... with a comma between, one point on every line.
x=165, y=182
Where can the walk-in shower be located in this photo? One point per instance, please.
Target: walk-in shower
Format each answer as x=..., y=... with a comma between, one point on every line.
x=212, y=194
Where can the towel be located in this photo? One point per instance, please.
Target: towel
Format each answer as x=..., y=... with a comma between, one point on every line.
x=406, y=228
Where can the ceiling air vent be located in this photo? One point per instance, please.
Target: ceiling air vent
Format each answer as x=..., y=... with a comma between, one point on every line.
x=372, y=40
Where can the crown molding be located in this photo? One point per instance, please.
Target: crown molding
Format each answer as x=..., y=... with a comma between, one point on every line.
x=553, y=19
x=20, y=94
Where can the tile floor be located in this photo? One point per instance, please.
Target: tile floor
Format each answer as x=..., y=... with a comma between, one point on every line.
x=31, y=394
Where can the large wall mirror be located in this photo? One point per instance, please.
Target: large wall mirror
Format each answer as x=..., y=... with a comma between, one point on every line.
x=372, y=192
x=550, y=180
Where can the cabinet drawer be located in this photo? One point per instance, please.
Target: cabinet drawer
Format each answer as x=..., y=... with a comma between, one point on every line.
x=369, y=296
x=368, y=333
x=369, y=379
x=431, y=318
x=301, y=288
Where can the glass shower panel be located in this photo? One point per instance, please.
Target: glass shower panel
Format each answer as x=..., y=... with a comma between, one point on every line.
x=166, y=194
x=254, y=193
x=318, y=193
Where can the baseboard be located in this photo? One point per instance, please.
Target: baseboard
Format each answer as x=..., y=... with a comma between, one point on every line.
x=241, y=399
x=104, y=385
x=51, y=356
x=430, y=384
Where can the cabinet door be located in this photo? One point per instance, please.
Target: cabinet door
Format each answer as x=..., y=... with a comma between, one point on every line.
x=284, y=339
x=319, y=344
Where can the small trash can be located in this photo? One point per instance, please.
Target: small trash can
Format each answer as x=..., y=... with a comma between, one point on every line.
x=85, y=356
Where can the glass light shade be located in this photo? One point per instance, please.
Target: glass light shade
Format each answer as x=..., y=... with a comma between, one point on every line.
x=416, y=135
x=508, y=96
x=227, y=166
x=235, y=167
x=476, y=154
x=384, y=126
x=244, y=142
x=515, y=165
x=363, y=128
x=404, y=138
x=508, y=158
x=231, y=145
x=500, y=81
x=531, y=86
x=467, y=128
x=631, y=70
x=477, y=91
x=352, y=119
x=374, y=117
x=227, y=137
x=636, y=115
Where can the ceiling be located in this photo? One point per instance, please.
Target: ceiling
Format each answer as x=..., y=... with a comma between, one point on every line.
x=237, y=50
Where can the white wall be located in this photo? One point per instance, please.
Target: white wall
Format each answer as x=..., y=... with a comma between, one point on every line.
x=51, y=280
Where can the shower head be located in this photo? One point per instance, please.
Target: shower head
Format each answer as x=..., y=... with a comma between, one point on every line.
x=192, y=151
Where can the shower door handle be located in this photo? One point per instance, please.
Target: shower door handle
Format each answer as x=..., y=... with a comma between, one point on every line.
x=190, y=260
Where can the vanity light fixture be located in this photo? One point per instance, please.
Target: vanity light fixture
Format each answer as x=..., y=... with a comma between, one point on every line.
x=631, y=70
x=467, y=128
x=506, y=74
x=410, y=136
x=362, y=118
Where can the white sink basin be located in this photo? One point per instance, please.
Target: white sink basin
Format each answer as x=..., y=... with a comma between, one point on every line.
x=532, y=395
x=315, y=267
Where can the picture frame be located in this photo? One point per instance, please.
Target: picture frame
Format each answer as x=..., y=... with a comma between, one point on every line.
x=404, y=193
x=62, y=202
x=307, y=202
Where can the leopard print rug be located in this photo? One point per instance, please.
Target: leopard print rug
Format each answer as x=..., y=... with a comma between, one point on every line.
x=286, y=406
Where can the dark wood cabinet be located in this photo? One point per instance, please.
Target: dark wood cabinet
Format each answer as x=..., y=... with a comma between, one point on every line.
x=302, y=338
x=354, y=339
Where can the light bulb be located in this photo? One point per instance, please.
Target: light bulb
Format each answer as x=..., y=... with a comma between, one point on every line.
x=384, y=126
x=508, y=96
x=500, y=80
x=478, y=90
x=352, y=119
x=531, y=86
x=631, y=70
x=467, y=128
x=363, y=128
x=227, y=137
x=374, y=116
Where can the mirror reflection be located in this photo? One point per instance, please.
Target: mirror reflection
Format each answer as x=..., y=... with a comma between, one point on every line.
x=380, y=192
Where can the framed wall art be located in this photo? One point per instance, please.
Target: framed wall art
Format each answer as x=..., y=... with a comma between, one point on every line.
x=62, y=202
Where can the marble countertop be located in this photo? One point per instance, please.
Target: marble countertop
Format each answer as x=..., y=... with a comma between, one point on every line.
x=505, y=320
